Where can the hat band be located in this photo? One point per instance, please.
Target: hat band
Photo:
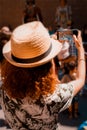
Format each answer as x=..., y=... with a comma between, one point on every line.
x=32, y=60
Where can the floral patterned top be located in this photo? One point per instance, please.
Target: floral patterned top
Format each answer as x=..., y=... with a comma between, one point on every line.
x=41, y=114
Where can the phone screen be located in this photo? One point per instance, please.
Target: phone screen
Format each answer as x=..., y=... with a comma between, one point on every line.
x=67, y=35
x=64, y=35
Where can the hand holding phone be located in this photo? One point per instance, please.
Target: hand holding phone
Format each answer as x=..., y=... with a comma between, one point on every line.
x=66, y=35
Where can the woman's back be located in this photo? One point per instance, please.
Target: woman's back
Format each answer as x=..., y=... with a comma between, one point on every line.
x=38, y=114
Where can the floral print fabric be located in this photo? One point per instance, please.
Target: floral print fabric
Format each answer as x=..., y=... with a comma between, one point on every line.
x=41, y=114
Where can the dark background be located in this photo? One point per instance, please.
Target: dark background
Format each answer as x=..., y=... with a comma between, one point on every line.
x=11, y=12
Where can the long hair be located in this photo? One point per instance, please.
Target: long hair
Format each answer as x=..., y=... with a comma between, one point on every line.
x=32, y=82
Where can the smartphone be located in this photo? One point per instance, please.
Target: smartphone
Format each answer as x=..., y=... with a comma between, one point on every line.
x=66, y=34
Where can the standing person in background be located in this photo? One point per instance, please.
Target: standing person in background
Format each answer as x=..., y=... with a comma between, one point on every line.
x=31, y=95
x=5, y=34
x=32, y=12
x=63, y=15
x=69, y=76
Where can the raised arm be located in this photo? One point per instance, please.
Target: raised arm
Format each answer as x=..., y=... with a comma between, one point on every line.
x=81, y=69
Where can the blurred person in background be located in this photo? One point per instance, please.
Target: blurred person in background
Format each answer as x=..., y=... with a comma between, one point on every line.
x=63, y=16
x=5, y=34
x=32, y=12
x=70, y=75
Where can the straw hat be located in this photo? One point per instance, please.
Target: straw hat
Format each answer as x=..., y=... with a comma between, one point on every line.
x=30, y=46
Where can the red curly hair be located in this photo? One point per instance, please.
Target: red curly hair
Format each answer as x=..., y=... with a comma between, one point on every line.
x=33, y=82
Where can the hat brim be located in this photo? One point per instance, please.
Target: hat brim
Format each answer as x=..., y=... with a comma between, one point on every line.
x=56, y=48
